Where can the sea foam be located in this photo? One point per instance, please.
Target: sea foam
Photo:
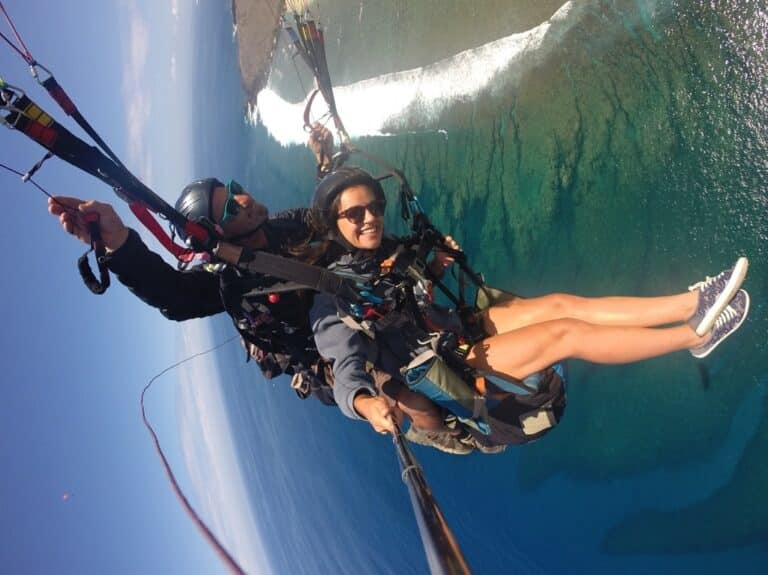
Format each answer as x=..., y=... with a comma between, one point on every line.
x=413, y=99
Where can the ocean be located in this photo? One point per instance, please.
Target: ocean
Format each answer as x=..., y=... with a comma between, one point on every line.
x=596, y=148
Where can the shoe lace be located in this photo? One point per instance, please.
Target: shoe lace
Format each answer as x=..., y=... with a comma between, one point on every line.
x=706, y=282
x=725, y=316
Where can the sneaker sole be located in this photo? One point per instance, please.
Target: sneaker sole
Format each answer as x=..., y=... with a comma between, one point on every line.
x=722, y=339
x=418, y=438
x=733, y=285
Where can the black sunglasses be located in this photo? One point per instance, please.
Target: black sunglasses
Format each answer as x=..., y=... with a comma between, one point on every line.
x=356, y=214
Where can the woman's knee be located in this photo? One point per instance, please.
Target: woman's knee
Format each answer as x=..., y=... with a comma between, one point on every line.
x=566, y=333
x=518, y=313
x=563, y=305
x=524, y=351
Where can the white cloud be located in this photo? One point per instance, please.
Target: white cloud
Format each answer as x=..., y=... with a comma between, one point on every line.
x=210, y=456
x=138, y=104
x=173, y=68
x=174, y=32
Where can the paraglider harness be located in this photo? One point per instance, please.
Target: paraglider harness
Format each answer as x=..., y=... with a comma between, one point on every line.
x=271, y=316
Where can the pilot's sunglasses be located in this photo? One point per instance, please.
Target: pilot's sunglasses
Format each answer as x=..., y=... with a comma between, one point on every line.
x=231, y=207
x=356, y=214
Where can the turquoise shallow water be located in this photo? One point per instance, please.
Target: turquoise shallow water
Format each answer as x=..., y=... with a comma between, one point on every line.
x=630, y=159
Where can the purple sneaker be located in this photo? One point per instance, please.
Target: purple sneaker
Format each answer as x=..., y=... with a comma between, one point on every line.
x=715, y=294
x=726, y=323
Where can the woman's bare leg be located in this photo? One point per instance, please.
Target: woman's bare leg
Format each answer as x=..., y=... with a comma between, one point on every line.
x=609, y=311
x=527, y=350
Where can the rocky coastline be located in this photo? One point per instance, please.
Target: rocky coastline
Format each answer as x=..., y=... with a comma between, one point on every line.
x=257, y=26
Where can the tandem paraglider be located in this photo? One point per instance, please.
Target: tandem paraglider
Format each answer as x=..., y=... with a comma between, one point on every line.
x=382, y=327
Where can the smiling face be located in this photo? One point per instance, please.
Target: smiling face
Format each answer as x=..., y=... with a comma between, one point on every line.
x=244, y=214
x=364, y=232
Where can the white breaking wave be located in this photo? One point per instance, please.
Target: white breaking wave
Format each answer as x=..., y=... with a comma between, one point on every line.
x=413, y=99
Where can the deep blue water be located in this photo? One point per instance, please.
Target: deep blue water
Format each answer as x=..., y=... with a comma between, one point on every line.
x=632, y=159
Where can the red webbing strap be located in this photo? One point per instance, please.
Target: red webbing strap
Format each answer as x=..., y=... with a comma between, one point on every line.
x=58, y=94
x=63, y=100
x=145, y=217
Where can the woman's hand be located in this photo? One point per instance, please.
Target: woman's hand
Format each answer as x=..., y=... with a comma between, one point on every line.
x=70, y=212
x=443, y=260
x=378, y=411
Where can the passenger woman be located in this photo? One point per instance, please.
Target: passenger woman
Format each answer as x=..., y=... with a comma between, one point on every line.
x=522, y=336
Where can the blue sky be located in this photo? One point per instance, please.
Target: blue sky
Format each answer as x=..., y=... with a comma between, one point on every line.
x=74, y=364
